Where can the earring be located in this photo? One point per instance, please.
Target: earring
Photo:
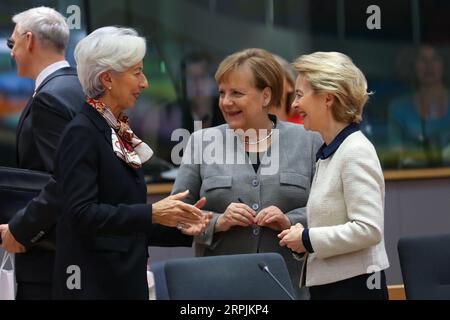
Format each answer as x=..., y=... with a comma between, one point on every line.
x=109, y=88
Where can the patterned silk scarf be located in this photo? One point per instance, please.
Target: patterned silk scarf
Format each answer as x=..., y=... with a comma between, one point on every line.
x=126, y=145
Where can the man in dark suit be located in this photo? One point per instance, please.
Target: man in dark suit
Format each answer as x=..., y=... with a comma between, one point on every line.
x=38, y=46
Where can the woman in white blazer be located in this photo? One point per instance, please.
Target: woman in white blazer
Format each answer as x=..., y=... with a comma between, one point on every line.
x=344, y=245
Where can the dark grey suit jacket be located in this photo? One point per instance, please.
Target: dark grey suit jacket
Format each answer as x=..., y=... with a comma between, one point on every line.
x=55, y=103
x=283, y=182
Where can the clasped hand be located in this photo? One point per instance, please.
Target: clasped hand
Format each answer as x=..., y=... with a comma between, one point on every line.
x=292, y=238
x=240, y=214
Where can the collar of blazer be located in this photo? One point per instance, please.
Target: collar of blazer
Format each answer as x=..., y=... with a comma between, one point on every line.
x=66, y=71
x=98, y=121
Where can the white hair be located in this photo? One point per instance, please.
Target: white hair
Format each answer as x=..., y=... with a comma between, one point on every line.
x=106, y=49
x=47, y=24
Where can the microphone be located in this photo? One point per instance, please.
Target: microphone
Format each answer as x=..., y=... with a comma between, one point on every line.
x=263, y=266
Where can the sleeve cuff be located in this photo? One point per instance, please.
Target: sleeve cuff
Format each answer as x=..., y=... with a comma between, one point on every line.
x=297, y=216
x=307, y=241
x=207, y=237
x=15, y=229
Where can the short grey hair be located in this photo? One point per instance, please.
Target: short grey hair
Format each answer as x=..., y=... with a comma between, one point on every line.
x=47, y=24
x=106, y=49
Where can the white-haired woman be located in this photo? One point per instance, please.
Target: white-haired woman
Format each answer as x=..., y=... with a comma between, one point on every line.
x=105, y=225
x=345, y=211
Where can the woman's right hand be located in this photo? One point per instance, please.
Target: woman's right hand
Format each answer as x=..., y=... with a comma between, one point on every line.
x=236, y=214
x=199, y=228
x=172, y=211
x=292, y=238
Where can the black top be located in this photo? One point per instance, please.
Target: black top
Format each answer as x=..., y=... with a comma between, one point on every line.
x=326, y=151
x=255, y=159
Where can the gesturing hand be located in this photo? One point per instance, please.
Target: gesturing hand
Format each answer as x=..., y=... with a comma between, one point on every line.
x=197, y=228
x=172, y=210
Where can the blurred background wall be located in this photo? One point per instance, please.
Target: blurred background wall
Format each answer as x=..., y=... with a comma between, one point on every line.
x=182, y=31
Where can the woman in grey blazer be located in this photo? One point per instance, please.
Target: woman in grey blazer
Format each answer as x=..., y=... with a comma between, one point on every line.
x=345, y=249
x=255, y=171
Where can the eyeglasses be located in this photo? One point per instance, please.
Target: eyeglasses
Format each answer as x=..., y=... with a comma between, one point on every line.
x=10, y=42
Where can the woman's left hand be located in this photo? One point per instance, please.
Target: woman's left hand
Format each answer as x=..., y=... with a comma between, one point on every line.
x=273, y=218
x=197, y=229
x=292, y=238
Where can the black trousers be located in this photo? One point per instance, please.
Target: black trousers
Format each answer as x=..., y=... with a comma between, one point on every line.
x=34, y=272
x=34, y=291
x=355, y=288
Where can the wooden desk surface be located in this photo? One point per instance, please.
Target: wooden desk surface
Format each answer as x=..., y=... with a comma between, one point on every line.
x=159, y=188
x=396, y=292
x=414, y=174
x=389, y=175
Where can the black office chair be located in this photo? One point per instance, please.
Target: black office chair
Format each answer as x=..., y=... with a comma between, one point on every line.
x=17, y=188
x=425, y=265
x=231, y=277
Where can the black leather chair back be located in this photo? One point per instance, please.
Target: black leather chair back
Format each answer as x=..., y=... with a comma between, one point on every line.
x=17, y=188
x=425, y=265
x=229, y=277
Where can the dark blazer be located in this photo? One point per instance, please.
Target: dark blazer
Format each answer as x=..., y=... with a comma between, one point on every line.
x=55, y=103
x=105, y=225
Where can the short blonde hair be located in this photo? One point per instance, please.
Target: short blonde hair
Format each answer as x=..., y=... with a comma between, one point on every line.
x=336, y=74
x=266, y=71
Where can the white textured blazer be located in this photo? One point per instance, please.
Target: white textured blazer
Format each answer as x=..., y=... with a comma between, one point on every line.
x=345, y=213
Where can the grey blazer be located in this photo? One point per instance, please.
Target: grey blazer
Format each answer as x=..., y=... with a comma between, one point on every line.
x=211, y=169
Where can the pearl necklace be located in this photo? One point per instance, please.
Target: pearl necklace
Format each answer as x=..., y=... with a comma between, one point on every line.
x=263, y=139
